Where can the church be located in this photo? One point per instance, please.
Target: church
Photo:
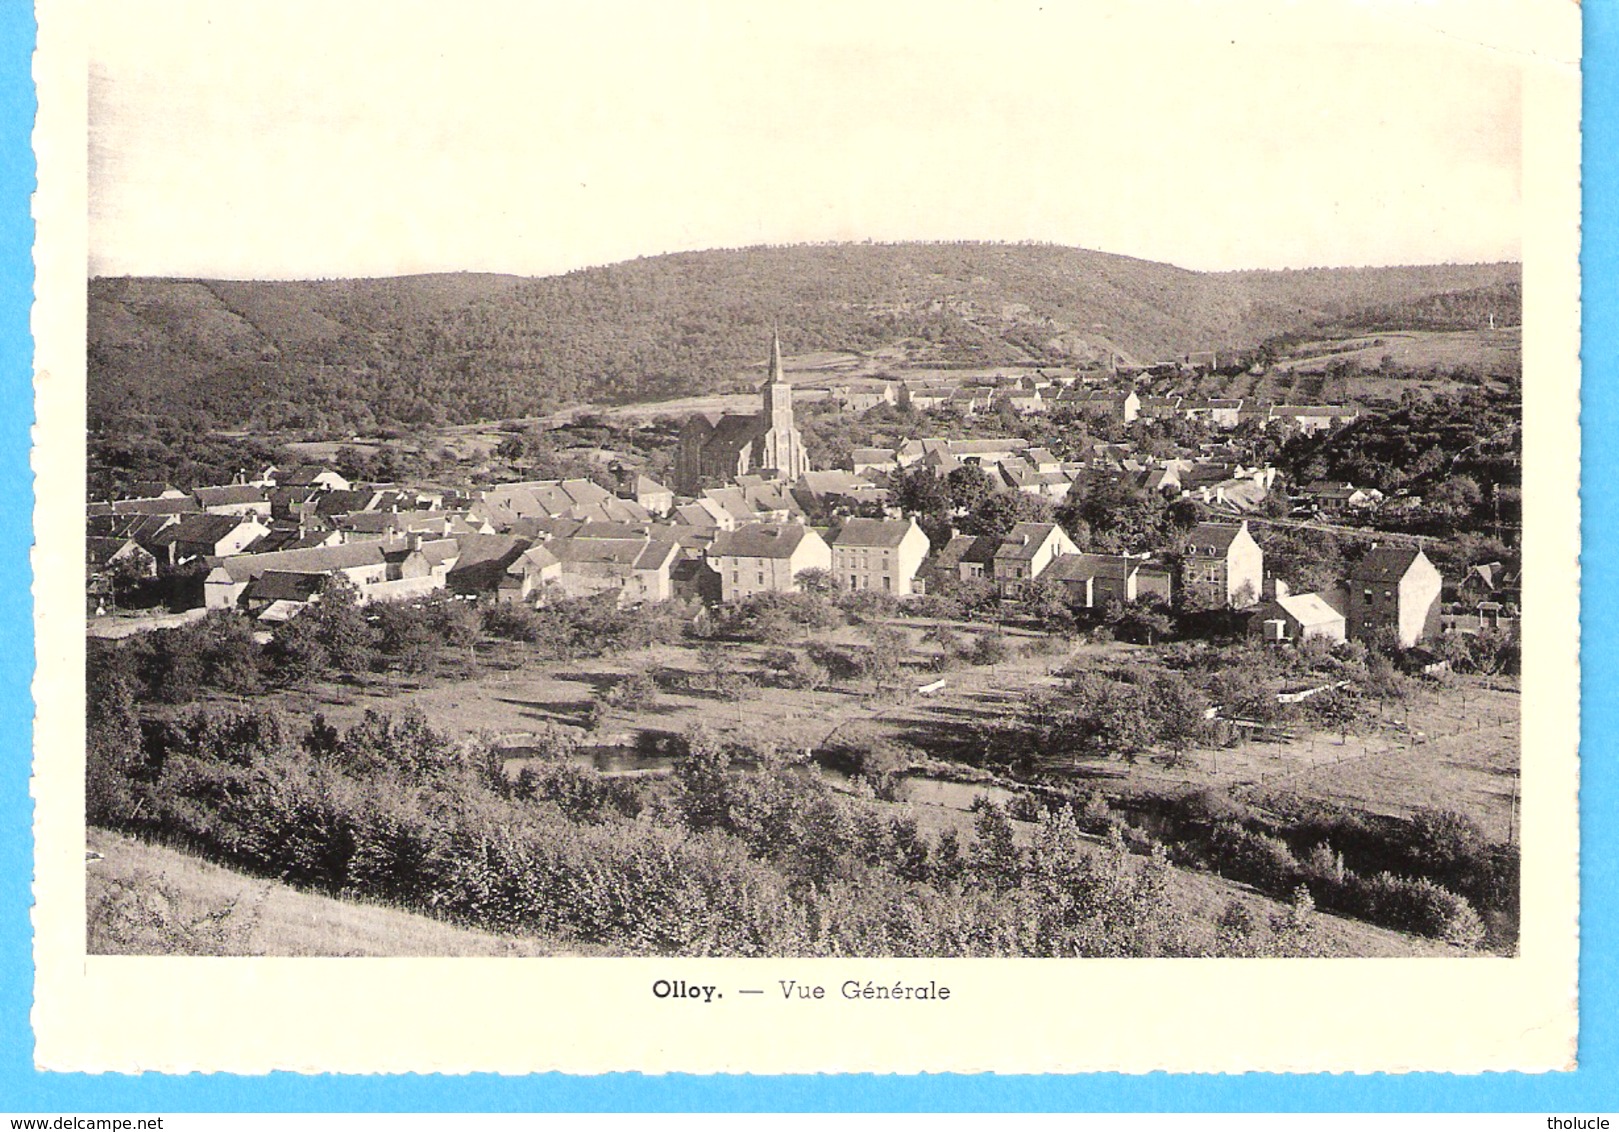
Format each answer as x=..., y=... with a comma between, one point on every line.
x=715, y=449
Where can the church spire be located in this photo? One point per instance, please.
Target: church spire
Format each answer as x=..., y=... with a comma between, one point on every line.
x=777, y=373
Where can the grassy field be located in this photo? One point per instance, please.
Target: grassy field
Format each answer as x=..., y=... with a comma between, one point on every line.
x=144, y=899
x=1452, y=746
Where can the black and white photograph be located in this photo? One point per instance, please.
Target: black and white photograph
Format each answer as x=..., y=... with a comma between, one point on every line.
x=676, y=482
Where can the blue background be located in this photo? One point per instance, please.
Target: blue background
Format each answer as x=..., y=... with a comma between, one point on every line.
x=1594, y=1087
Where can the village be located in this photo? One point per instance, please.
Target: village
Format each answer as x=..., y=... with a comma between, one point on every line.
x=746, y=513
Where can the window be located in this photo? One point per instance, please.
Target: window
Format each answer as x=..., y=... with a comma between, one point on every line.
x=887, y=585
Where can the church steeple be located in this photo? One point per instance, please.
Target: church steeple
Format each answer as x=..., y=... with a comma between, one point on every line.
x=778, y=376
x=781, y=443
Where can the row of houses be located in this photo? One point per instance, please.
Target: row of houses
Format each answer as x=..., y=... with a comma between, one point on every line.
x=1037, y=394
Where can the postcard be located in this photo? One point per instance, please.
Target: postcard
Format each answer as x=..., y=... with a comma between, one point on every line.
x=732, y=539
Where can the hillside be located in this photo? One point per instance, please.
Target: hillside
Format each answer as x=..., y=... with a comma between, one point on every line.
x=144, y=899
x=349, y=355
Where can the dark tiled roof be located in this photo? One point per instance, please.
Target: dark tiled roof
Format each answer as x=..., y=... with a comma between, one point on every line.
x=313, y=560
x=1218, y=535
x=759, y=540
x=873, y=532
x=169, y=506
x=284, y=585
x=1077, y=567
x=1024, y=539
x=1384, y=564
x=205, y=529
x=230, y=494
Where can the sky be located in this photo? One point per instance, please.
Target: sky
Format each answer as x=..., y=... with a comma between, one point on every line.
x=300, y=139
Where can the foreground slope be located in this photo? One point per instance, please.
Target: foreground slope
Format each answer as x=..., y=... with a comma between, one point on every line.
x=144, y=899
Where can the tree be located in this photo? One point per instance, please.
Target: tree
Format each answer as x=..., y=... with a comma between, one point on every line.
x=917, y=491
x=1337, y=709
x=512, y=448
x=1181, y=710
x=886, y=657
x=995, y=862
x=296, y=650
x=340, y=626
x=969, y=486
x=1146, y=622
x=1003, y=510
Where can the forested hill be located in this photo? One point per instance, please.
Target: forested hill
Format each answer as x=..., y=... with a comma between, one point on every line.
x=350, y=354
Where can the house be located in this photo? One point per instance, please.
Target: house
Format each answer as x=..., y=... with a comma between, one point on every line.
x=1489, y=582
x=1110, y=404
x=969, y=557
x=1394, y=588
x=1217, y=412
x=761, y=558
x=1023, y=402
x=312, y=475
x=1025, y=552
x=1042, y=460
x=879, y=554
x=113, y=555
x=234, y=499
x=942, y=456
x=922, y=395
x=153, y=489
x=863, y=396
x=1313, y=418
x=1222, y=565
x=651, y=495
x=1160, y=408
x=154, y=505
x=480, y=566
x=276, y=595
x=378, y=570
x=1093, y=580
x=529, y=574
x=1021, y=475
x=637, y=567
x=880, y=461
x=507, y=505
x=142, y=528
x=838, y=490
x=1291, y=618
x=292, y=538
x=1332, y=497
x=207, y=536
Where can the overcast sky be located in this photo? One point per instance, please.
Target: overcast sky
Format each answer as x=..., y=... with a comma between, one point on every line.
x=294, y=139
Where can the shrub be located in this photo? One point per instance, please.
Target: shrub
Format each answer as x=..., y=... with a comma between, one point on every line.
x=991, y=648
x=512, y=621
x=147, y=915
x=635, y=691
x=1264, y=862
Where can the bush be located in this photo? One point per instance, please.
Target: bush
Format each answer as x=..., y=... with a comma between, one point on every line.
x=633, y=692
x=1263, y=861
x=991, y=648
x=147, y=915
x=1419, y=906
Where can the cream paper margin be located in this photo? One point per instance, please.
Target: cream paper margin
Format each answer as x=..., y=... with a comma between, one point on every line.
x=577, y=1015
